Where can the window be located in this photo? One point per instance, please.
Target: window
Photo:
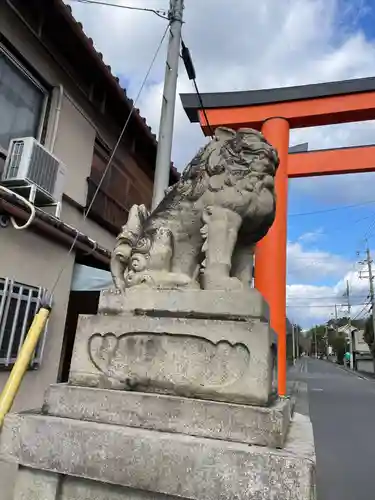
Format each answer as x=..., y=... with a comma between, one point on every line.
x=18, y=306
x=109, y=205
x=115, y=182
x=22, y=102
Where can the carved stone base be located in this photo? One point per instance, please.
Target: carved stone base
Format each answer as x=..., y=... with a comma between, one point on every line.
x=208, y=345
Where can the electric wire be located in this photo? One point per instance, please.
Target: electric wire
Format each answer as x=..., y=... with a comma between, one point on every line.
x=159, y=12
x=109, y=162
x=305, y=306
x=332, y=209
x=328, y=297
x=362, y=310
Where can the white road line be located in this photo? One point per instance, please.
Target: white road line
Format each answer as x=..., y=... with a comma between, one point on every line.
x=360, y=377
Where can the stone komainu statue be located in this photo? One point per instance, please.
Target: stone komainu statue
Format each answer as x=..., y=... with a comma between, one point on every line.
x=203, y=233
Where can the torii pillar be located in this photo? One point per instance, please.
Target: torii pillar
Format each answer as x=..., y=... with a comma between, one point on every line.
x=275, y=112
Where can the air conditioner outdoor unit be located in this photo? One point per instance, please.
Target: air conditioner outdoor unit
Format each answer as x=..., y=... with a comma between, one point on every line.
x=30, y=166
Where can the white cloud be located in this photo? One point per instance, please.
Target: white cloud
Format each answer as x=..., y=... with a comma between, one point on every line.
x=309, y=266
x=312, y=236
x=310, y=304
x=238, y=46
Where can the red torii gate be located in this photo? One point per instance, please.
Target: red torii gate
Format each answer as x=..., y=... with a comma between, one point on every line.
x=275, y=112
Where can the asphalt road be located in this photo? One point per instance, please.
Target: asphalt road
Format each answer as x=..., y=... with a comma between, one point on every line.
x=342, y=411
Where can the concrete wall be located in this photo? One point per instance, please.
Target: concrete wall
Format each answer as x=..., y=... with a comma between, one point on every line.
x=365, y=365
x=358, y=343
x=33, y=260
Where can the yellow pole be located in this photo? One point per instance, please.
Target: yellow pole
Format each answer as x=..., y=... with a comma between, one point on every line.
x=23, y=361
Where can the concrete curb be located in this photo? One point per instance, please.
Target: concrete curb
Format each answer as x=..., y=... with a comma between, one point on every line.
x=351, y=372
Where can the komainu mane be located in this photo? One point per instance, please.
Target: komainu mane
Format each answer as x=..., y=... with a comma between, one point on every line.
x=203, y=233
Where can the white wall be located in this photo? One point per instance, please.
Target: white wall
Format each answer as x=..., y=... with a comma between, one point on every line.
x=74, y=146
x=34, y=260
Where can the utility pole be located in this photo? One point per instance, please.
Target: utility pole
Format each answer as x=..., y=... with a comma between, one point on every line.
x=327, y=343
x=163, y=157
x=371, y=280
x=368, y=261
x=336, y=321
x=316, y=347
x=294, y=342
x=297, y=343
x=350, y=325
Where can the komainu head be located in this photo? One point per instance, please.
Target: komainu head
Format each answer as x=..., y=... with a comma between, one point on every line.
x=241, y=158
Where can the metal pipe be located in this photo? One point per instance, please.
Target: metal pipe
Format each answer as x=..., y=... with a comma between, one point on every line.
x=23, y=362
x=45, y=223
x=56, y=117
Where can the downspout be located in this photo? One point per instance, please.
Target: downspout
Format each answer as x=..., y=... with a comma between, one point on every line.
x=56, y=119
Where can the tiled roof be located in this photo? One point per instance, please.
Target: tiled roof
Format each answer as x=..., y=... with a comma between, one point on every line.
x=106, y=70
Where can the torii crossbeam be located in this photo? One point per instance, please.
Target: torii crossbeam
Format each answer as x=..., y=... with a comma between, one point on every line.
x=275, y=112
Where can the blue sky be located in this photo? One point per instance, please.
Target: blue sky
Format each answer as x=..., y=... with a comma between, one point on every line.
x=242, y=45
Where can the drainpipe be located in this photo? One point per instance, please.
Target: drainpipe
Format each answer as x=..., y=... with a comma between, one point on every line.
x=56, y=120
x=57, y=230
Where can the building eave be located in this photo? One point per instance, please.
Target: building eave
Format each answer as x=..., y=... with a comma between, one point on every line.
x=53, y=228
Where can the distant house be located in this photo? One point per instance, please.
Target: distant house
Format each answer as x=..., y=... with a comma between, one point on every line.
x=362, y=355
x=56, y=89
x=363, y=360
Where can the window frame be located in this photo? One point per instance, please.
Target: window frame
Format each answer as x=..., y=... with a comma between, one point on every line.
x=7, y=293
x=26, y=73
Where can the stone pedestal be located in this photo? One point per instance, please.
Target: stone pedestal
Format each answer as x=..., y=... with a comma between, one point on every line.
x=170, y=395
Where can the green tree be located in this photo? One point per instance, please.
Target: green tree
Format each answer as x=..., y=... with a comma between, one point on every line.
x=368, y=335
x=339, y=347
x=317, y=336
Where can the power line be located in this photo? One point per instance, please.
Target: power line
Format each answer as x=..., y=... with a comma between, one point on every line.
x=159, y=12
x=307, y=306
x=109, y=163
x=370, y=227
x=328, y=297
x=361, y=311
x=333, y=209
x=317, y=258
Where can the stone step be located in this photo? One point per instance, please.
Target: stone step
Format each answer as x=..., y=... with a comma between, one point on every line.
x=263, y=426
x=164, y=463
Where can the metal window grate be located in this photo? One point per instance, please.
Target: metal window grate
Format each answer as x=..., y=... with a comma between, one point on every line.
x=18, y=306
x=16, y=155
